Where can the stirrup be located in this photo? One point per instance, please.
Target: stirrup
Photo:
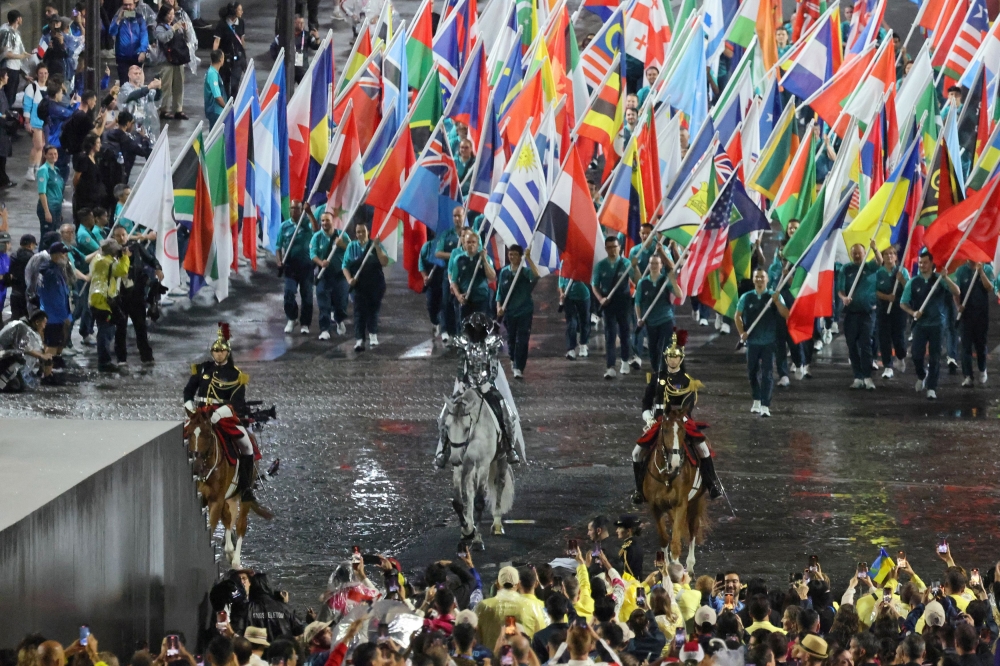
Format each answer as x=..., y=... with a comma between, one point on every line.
x=440, y=459
x=638, y=498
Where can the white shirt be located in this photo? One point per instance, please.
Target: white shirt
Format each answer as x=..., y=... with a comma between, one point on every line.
x=10, y=42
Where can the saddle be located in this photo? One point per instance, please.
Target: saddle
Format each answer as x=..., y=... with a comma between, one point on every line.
x=692, y=431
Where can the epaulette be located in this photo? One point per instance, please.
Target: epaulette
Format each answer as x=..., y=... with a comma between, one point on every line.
x=194, y=369
x=244, y=378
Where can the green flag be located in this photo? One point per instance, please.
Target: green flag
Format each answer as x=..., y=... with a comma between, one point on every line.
x=426, y=113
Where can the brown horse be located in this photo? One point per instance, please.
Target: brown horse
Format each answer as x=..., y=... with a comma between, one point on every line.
x=670, y=477
x=215, y=476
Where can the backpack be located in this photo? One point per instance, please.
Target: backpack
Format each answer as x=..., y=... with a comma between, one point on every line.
x=43, y=109
x=176, y=50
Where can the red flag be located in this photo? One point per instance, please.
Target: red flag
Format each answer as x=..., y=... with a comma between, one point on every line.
x=529, y=107
x=945, y=234
x=944, y=36
x=829, y=101
x=365, y=91
x=199, y=247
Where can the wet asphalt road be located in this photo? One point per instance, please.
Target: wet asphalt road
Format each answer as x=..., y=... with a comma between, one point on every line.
x=834, y=472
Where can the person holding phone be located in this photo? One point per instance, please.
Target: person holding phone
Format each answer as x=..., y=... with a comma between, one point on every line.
x=128, y=29
x=508, y=602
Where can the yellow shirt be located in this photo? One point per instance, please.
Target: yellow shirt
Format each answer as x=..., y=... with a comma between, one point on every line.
x=493, y=612
x=688, y=600
x=104, y=275
x=535, y=618
x=584, y=606
x=766, y=624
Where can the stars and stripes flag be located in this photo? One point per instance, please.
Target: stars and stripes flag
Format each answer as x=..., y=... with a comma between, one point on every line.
x=970, y=36
x=709, y=245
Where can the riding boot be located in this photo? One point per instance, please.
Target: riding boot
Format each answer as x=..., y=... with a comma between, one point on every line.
x=639, y=470
x=508, y=436
x=246, y=478
x=707, y=466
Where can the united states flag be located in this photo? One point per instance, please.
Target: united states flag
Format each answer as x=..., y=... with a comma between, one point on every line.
x=708, y=247
x=967, y=41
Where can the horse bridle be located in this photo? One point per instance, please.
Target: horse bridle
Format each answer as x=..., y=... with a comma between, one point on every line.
x=460, y=406
x=666, y=475
x=195, y=433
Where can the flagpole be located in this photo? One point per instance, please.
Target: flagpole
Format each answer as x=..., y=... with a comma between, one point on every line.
x=708, y=155
x=881, y=219
x=597, y=92
x=965, y=299
x=503, y=306
x=864, y=75
x=354, y=49
x=340, y=96
x=954, y=252
x=791, y=270
x=770, y=208
x=913, y=27
x=902, y=258
x=642, y=320
x=187, y=146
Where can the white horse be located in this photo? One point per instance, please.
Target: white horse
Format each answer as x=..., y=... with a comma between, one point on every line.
x=479, y=468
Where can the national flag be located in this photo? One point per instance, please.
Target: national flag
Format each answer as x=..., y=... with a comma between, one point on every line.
x=647, y=33
x=267, y=176
x=881, y=568
x=931, y=12
x=624, y=206
x=341, y=181
x=490, y=162
x=472, y=94
x=217, y=268
x=829, y=101
x=274, y=88
x=434, y=172
x=510, y=79
x=319, y=110
x=604, y=9
x=496, y=13
x=970, y=36
x=382, y=31
x=247, y=109
x=708, y=246
x=427, y=111
x=570, y=221
x=385, y=135
x=776, y=155
x=946, y=32
x=814, y=278
x=916, y=97
x=603, y=119
x=988, y=55
x=973, y=122
x=865, y=25
x=448, y=56
x=669, y=149
x=225, y=129
x=687, y=87
x=395, y=79
x=547, y=141
x=797, y=190
x=806, y=13
x=886, y=205
x=193, y=201
x=721, y=289
x=388, y=181
x=755, y=17
x=527, y=20
x=516, y=205
x=771, y=107
x=466, y=13
x=736, y=98
x=360, y=52
x=364, y=92
x=818, y=59
x=986, y=166
x=942, y=189
x=299, y=125
x=688, y=194
x=599, y=55
x=879, y=81
x=419, y=45
x=567, y=65
x=981, y=211
x=151, y=203
x=503, y=39
x=526, y=111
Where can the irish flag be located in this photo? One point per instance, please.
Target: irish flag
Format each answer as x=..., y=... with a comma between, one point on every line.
x=814, y=276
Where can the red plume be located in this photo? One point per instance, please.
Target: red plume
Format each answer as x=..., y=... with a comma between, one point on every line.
x=682, y=337
x=224, y=327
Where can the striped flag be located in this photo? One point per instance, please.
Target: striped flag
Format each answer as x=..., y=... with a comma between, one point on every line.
x=600, y=53
x=967, y=41
x=517, y=202
x=647, y=33
x=708, y=247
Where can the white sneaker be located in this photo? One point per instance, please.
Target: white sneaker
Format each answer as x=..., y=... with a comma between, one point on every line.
x=918, y=386
x=718, y=321
x=594, y=320
x=445, y=339
x=887, y=373
x=636, y=362
x=857, y=383
x=325, y=335
x=765, y=411
x=818, y=345
x=982, y=377
x=359, y=345
x=166, y=300
x=304, y=330
x=805, y=372
x=609, y=373
x=289, y=327
x=755, y=407
x=177, y=292
x=89, y=340
x=784, y=381
x=834, y=328
x=902, y=365
x=869, y=384
x=341, y=328
x=571, y=354
x=931, y=395
x=703, y=322
x=828, y=336
x=792, y=367
x=584, y=351
x=724, y=329
x=623, y=368
x=966, y=383
x=68, y=352
x=31, y=174
x=373, y=340
x=517, y=374
x=800, y=373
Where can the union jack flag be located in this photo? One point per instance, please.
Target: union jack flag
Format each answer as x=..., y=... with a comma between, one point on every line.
x=708, y=247
x=439, y=160
x=370, y=80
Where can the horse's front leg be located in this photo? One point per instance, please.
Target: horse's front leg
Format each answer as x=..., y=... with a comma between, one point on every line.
x=456, y=498
x=469, y=487
x=242, y=523
x=676, y=532
x=229, y=515
x=498, y=491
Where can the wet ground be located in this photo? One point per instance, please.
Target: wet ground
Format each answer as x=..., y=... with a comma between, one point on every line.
x=834, y=472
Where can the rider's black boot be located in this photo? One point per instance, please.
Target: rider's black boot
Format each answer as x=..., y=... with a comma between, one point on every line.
x=512, y=456
x=707, y=466
x=246, y=478
x=639, y=469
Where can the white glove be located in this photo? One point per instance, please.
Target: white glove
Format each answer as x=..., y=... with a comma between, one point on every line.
x=216, y=417
x=189, y=406
x=647, y=416
x=223, y=412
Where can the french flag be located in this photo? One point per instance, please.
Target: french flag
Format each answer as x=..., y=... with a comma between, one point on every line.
x=815, y=275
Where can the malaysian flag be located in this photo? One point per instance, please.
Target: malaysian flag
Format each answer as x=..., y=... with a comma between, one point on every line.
x=970, y=36
x=707, y=248
x=600, y=52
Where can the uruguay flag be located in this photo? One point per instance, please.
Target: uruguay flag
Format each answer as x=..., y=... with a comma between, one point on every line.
x=517, y=202
x=267, y=171
x=814, y=275
x=273, y=88
x=816, y=61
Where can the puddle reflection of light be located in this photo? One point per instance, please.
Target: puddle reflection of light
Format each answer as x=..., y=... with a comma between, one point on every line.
x=373, y=492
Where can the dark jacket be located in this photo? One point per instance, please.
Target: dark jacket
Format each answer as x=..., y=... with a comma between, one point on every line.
x=75, y=130
x=540, y=641
x=268, y=613
x=18, y=262
x=5, y=121
x=143, y=265
x=129, y=145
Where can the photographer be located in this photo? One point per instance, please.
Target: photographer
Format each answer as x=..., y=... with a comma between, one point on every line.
x=106, y=272
x=128, y=29
x=133, y=296
x=125, y=141
x=174, y=36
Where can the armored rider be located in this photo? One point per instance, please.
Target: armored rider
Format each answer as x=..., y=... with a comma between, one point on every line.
x=219, y=387
x=480, y=345
x=672, y=389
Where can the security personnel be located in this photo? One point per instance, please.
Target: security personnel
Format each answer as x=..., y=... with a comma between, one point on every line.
x=859, y=310
x=294, y=237
x=609, y=276
x=446, y=243
x=760, y=341
x=331, y=288
x=890, y=280
x=975, y=315
x=469, y=272
x=928, y=312
x=630, y=553
x=517, y=310
x=659, y=321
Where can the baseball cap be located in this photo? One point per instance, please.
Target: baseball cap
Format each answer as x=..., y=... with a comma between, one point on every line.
x=934, y=614
x=28, y=239
x=468, y=617
x=508, y=577
x=58, y=248
x=703, y=615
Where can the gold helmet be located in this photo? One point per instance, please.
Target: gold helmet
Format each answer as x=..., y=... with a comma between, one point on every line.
x=676, y=348
x=222, y=339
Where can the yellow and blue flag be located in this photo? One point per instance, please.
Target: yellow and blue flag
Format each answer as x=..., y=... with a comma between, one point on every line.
x=881, y=568
x=319, y=112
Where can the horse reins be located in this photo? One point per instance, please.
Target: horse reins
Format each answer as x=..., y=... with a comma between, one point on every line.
x=215, y=465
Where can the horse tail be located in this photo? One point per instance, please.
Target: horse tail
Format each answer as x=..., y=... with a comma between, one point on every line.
x=260, y=510
x=505, y=500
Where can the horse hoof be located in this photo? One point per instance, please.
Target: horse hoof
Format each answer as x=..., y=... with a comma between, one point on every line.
x=498, y=530
x=478, y=545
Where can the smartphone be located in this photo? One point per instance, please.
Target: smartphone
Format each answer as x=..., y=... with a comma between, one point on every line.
x=173, y=645
x=506, y=656
x=221, y=620
x=887, y=595
x=391, y=581
x=901, y=560
x=596, y=552
x=943, y=546
x=356, y=555
x=935, y=587
x=862, y=570
x=730, y=602
x=975, y=579
x=680, y=637
x=660, y=559
x=640, y=597
x=572, y=547
x=129, y=14
x=84, y=634
x=720, y=577
x=510, y=626
x=792, y=577
x=383, y=632
x=813, y=563
x=581, y=622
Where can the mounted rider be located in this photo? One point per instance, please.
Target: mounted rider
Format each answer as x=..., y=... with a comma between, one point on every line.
x=480, y=345
x=219, y=387
x=673, y=389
